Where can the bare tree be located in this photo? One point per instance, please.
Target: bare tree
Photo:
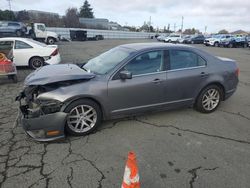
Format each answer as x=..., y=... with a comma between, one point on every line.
x=71, y=18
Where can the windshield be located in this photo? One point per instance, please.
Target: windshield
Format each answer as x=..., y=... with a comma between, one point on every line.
x=105, y=62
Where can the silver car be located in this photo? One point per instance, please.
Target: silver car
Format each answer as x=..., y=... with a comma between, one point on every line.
x=126, y=80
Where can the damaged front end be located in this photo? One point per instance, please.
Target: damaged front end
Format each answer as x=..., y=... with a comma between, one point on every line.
x=41, y=118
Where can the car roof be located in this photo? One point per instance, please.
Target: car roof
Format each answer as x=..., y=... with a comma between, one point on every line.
x=14, y=38
x=153, y=45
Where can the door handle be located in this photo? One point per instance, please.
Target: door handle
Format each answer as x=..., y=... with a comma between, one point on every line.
x=157, y=80
x=203, y=74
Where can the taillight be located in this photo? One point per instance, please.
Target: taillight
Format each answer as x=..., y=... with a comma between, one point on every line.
x=55, y=52
x=237, y=72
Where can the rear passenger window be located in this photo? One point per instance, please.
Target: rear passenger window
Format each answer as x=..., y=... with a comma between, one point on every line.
x=21, y=45
x=180, y=59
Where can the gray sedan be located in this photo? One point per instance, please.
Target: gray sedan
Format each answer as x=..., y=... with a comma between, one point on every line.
x=126, y=80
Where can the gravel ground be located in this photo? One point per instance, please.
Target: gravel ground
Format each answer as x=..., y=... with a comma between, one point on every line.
x=178, y=148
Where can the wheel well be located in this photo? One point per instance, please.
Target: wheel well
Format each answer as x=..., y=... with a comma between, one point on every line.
x=89, y=98
x=217, y=84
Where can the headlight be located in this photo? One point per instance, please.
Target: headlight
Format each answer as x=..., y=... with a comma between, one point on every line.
x=49, y=106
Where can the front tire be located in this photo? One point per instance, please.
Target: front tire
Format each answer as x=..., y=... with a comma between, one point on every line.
x=209, y=99
x=216, y=44
x=84, y=117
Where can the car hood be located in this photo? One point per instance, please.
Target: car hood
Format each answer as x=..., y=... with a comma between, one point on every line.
x=57, y=73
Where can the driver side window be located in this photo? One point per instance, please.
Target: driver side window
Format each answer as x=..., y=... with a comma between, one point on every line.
x=145, y=63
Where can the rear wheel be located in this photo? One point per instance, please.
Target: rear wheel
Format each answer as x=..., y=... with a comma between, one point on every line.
x=50, y=40
x=84, y=117
x=230, y=45
x=209, y=99
x=36, y=62
x=18, y=33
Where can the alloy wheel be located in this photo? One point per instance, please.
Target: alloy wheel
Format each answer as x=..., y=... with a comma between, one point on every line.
x=82, y=118
x=211, y=99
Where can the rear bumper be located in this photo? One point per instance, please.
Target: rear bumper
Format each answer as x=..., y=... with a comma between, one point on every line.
x=40, y=128
x=229, y=93
x=54, y=60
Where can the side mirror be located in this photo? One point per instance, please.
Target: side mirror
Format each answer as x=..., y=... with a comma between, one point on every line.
x=125, y=75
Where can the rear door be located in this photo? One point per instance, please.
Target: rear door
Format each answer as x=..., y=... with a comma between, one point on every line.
x=186, y=72
x=146, y=88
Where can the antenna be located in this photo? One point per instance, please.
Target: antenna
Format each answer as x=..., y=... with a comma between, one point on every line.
x=9, y=1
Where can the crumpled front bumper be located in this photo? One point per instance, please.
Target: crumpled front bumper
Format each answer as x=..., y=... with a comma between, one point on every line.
x=46, y=127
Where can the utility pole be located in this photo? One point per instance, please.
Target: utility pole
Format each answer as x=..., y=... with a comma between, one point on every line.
x=182, y=18
x=205, y=29
x=9, y=4
x=149, y=24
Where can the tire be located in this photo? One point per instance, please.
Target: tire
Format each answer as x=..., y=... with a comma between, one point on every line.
x=36, y=62
x=51, y=40
x=88, y=124
x=230, y=45
x=18, y=33
x=245, y=45
x=170, y=41
x=203, y=103
x=216, y=44
x=192, y=42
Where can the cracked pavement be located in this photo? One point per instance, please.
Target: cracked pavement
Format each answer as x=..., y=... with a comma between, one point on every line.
x=178, y=148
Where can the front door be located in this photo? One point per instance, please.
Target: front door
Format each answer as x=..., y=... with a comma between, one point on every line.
x=146, y=88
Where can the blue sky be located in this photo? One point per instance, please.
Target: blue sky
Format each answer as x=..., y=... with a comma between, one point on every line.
x=215, y=14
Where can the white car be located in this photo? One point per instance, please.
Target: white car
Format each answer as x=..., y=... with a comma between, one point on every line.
x=173, y=38
x=27, y=52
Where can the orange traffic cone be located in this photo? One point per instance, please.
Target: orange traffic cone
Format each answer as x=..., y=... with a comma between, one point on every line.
x=131, y=176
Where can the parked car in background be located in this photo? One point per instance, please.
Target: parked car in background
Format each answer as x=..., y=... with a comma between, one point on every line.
x=27, y=52
x=196, y=39
x=172, y=38
x=156, y=76
x=213, y=41
x=12, y=28
x=184, y=39
x=161, y=37
x=234, y=41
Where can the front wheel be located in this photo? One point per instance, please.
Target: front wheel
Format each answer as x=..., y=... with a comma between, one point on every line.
x=209, y=99
x=216, y=44
x=84, y=117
